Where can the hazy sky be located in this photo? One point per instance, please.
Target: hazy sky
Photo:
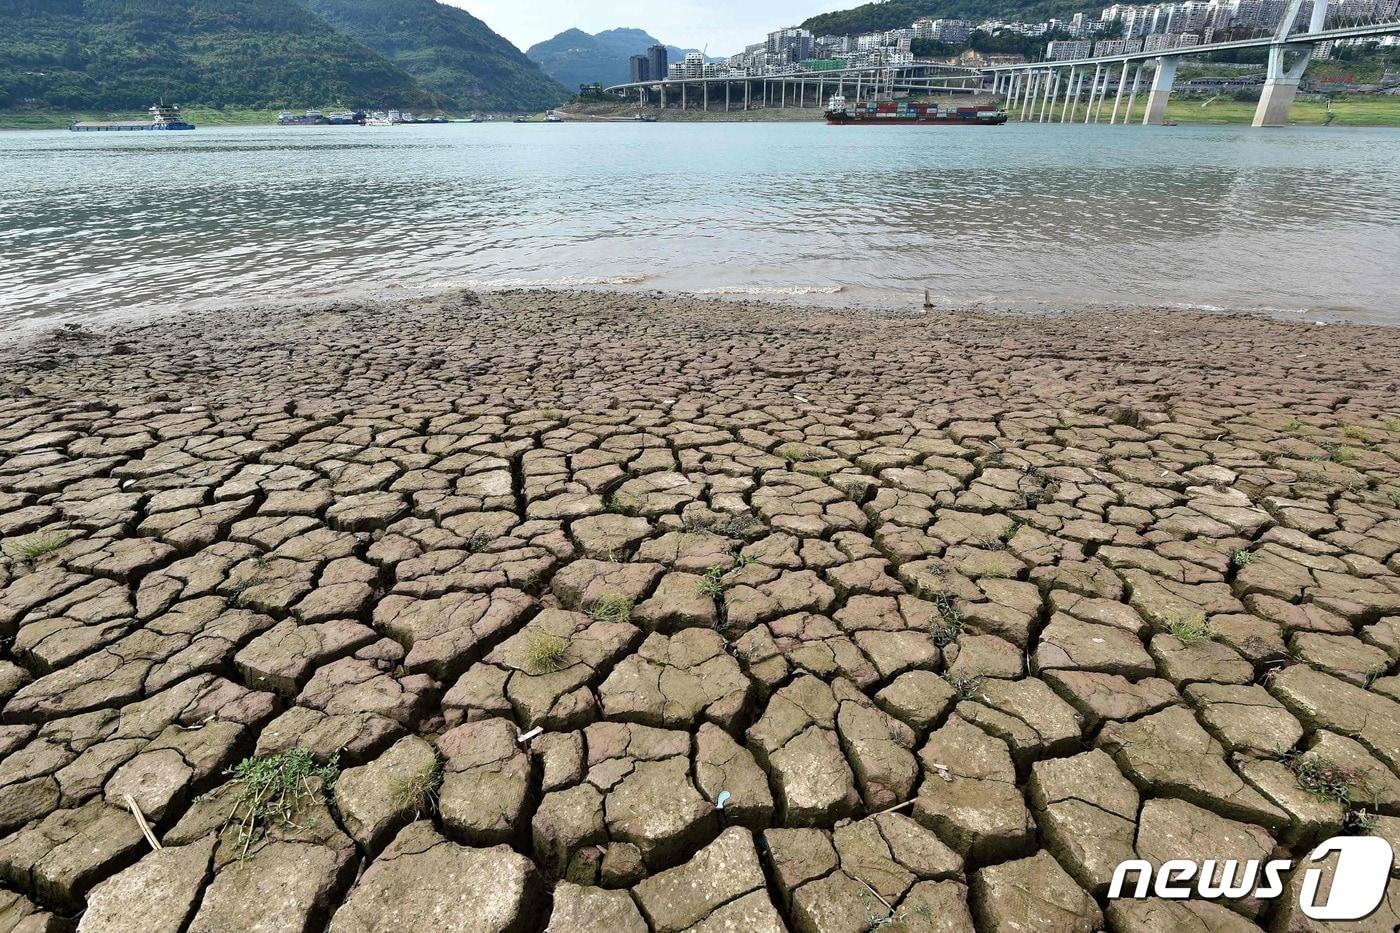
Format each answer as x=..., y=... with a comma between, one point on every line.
x=726, y=25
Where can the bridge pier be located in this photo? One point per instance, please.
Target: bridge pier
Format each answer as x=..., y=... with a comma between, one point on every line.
x=1093, y=89
x=1118, y=100
x=1132, y=97
x=1280, y=87
x=1161, y=91
x=1280, y=82
x=1103, y=93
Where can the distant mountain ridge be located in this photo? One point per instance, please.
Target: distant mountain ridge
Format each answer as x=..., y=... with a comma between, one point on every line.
x=450, y=52
x=574, y=57
x=115, y=55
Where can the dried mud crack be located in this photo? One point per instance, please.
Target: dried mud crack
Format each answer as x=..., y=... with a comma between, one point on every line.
x=608, y=613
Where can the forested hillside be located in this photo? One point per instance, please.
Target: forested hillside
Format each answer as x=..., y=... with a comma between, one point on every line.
x=449, y=51
x=121, y=55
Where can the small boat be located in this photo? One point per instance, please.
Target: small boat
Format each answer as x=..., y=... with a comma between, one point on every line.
x=345, y=118
x=162, y=118
x=552, y=117
x=643, y=118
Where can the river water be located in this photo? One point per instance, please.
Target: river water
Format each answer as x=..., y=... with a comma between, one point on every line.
x=1294, y=221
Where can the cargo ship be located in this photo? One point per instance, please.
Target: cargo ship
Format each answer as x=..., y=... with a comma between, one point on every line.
x=317, y=118
x=900, y=113
x=162, y=118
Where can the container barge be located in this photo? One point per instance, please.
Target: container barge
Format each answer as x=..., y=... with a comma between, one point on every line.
x=162, y=118
x=317, y=118
x=899, y=113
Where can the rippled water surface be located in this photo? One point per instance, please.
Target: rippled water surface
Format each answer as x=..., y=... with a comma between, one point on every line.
x=1296, y=220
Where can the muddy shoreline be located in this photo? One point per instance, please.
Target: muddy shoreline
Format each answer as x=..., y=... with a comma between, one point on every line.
x=952, y=612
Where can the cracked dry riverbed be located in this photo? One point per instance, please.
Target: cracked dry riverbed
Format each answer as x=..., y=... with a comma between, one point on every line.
x=952, y=612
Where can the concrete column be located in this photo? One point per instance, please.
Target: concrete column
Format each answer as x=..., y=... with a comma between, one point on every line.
x=726, y=97
x=1052, y=88
x=1161, y=91
x=1074, y=103
x=1093, y=87
x=1280, y=82
x=1103, y=92
x=1069, y=89
x=1132, y=98
x=1122, y=83
x=747, y=83
x=1032, y=85
x=705, y=94
x=784, y=86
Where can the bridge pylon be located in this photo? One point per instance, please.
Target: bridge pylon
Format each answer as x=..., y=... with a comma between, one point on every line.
x=1282, y=78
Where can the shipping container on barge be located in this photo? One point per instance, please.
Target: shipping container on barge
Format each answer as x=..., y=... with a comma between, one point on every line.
x=900, y=113
x=162, y=118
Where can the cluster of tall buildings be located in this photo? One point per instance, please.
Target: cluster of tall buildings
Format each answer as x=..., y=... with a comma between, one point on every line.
x=649, y=67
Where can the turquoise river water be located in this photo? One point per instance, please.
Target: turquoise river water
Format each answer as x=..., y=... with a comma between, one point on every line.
x=1292, y=221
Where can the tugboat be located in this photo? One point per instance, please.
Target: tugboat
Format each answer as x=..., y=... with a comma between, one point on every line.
x=162, y=118
x=899, y=113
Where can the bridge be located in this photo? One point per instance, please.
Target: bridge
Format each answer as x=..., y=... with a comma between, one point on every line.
x=1033, y=91
x=799, y=87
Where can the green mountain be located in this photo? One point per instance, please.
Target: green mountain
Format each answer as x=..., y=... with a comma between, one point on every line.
x=127, y=54
x=115, y=55
x=450, y=52
x=574, y=57
x=894, y=14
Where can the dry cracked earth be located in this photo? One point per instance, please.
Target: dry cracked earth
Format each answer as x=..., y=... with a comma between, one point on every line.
x=601, y=613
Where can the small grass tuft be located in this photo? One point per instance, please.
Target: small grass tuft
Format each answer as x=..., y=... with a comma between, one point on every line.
x=272, y=788
x=34, y=546
x=712, y=583
x=1356, y=433
x=1191, y=631
x=1361, y=822
x=479, y=541
x=948, y=626
x=1394, y=493
x=965, y=687
x=620, y=504
x=1243, y=558
x=1345, y=454
x=545, y=653
x=1293, y=426
x=417, y=791
x=614, y=607
x=1324, y=779
x=797, y=453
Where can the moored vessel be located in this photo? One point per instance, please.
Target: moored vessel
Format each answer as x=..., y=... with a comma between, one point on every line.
x=901, y=113
x=163, y=117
